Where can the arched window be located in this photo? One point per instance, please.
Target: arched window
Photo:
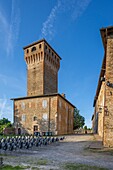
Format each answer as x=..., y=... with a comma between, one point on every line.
x=41, y=53
x=39, y=45
x=34, y=118
x=36, y=57
x=33, y=49
x=27, y=51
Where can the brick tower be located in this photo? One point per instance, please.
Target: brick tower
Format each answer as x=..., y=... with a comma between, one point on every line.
x=43, y=110
x=43, y=64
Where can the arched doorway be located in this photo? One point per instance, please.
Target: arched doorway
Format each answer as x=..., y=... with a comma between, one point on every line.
x=19, y=131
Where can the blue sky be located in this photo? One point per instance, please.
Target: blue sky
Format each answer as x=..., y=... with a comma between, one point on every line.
x=71, y=28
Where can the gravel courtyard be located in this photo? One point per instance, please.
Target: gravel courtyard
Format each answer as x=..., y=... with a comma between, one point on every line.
x=74, y=149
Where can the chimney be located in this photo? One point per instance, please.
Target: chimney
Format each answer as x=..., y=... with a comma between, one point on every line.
x=63, y=95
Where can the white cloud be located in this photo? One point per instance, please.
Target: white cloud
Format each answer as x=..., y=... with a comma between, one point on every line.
x=3, y=21
x=75, y=9
x=10, y=30
x=6, y=109
x=48, y=25
x=14, y=84
x=79, y=8
x=13, y=32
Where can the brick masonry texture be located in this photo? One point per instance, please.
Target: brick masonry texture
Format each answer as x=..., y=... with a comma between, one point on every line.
x=108, y=119
x=43, y=109
x=42, y=69
x=47, y=113
x=102, y=120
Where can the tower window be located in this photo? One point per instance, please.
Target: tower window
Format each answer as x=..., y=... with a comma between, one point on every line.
x=27, y=51
x=39, y=45
x=33, y=49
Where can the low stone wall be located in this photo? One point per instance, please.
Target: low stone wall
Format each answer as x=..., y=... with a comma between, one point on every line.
x=9, y=130
x=82, y=131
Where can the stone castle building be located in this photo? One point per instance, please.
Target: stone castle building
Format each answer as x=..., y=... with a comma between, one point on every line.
x=102, y=119
x=43, y=109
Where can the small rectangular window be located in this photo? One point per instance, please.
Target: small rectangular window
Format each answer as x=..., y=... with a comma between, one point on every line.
x=29, y=104
x=23, y=118
x=45, y=116
x=35, y=128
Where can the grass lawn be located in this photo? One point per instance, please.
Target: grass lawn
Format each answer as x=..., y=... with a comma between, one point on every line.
x=42, y=162
x=9, y=167
x=73, y=166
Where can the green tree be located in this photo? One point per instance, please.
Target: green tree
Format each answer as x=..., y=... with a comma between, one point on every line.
x=4, y=123
x=79, y=121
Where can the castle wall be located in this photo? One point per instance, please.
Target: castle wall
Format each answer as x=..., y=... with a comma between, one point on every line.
x=35, y=79
x=43, y=109
x=100, y=106
x=104, y=95
x=65, y=117
x=50, y=79
x=42, y=69
x=51, y=113
x=34, y=57
x=108, y=119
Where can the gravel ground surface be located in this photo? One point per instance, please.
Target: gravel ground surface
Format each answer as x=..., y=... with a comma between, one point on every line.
x=74, y=149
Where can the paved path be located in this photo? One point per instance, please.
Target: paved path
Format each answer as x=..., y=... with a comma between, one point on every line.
x=84, y=149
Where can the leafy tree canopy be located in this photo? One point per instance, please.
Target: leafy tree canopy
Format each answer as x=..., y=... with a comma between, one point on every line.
x=4, y=123
x=79, y=121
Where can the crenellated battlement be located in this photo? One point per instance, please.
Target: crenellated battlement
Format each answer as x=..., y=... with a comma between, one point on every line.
x=41, y=52
x=43, y=64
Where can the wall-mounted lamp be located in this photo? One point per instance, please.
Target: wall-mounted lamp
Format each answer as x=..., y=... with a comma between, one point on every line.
x=109, y=84
x=100, y=109
x=102, y=79
x=105, y=110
